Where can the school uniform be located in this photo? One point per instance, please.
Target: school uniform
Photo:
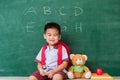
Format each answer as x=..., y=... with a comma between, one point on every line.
x=51, y=60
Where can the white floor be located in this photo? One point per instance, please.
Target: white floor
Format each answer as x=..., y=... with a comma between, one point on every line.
x=13, y=78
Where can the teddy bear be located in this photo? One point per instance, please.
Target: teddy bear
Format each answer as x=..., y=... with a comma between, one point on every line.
x=78, y=68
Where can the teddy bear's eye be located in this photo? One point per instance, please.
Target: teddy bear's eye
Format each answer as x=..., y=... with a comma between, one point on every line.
x=76, y=59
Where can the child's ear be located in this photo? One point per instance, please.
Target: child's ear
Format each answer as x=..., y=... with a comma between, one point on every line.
x=44, y=36
x=60, y=37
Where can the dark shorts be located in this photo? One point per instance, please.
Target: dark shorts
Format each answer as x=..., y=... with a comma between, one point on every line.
x=39, y=77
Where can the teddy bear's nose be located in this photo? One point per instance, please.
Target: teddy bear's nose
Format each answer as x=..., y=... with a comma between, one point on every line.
x=78, y=61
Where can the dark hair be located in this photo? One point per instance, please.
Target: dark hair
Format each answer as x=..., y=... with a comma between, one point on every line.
x=52, y=25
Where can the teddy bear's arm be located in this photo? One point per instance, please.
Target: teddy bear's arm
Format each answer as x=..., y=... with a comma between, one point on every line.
x=70, y=69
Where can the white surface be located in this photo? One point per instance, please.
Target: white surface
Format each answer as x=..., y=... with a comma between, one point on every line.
x=13, y=78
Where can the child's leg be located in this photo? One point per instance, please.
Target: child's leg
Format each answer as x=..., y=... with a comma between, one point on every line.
x=59, y=76
x=36, y=76
x=32, y=78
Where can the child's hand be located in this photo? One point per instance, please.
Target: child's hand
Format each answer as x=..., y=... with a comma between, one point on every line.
x=50, y=73
x=43, y=72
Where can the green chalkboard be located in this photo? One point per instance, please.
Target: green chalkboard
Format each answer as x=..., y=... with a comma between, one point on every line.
x=90, y=27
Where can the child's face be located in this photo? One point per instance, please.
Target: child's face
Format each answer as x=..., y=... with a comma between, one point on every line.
x=52, y=36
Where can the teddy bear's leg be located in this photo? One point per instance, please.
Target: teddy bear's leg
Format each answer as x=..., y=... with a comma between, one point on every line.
x=70, y=75
x=86, y=75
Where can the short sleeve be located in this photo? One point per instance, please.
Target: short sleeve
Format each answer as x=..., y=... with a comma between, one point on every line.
x=64, y=53
x=38, y=57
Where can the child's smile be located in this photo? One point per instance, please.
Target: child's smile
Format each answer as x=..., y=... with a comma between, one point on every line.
x=52, y=36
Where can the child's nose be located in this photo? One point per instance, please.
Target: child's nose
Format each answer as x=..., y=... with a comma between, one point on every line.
x=52, y=36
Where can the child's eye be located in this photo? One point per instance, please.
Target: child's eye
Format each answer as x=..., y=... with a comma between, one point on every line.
x=55, y=35
x=49, y=34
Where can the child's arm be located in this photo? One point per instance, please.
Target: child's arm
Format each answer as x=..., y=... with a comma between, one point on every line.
x=41, y=70
x=59, y=68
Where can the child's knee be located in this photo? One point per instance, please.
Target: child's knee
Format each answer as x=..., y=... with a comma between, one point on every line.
x=57, y=77
x=32, y=78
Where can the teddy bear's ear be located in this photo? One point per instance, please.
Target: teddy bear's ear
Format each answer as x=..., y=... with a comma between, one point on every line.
x=85, y=57
x=71, y=56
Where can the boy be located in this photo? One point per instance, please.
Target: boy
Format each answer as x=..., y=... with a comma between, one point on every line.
x=51, y=70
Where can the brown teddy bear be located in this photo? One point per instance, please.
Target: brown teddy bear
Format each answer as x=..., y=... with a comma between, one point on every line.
x=78, y=68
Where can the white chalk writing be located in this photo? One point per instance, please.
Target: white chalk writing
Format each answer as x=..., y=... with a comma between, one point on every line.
x=30, y=10
x=64, y=29
x=78, y=27
x=60, y=11
x=78, y=11
x=30, y=26
x=47, y=10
